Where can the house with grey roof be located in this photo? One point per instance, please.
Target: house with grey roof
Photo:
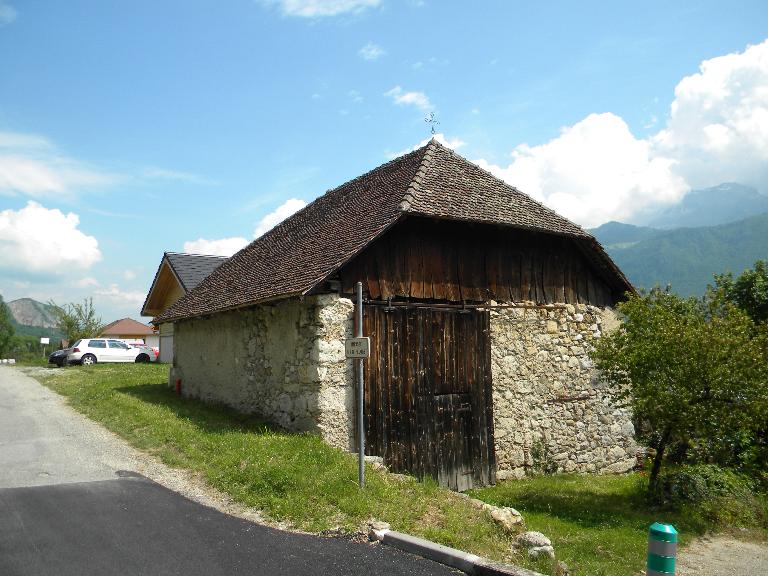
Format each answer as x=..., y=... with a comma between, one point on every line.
x=481, y=305
x=177, y=274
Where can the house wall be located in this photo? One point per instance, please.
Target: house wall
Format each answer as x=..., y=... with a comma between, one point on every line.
x=284, y=362
x=166, y=342
x=551, y=411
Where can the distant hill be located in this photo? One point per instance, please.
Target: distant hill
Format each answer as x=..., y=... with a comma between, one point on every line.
x=622, y=235
x=721, y=204
x=33, y=318
x=686, y=258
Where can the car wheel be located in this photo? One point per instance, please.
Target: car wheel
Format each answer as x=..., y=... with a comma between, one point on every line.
x=88, y=359
x=142, y=358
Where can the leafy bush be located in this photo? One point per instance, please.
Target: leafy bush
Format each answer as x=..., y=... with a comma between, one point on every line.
x=720, y=496
x=697, y=483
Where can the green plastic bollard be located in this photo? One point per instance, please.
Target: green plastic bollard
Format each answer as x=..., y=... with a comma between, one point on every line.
x=662, y=550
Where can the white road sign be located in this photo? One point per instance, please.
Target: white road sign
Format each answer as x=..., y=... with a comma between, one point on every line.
x=357, y=347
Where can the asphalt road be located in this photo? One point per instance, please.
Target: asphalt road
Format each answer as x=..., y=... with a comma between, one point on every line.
x=66, y=508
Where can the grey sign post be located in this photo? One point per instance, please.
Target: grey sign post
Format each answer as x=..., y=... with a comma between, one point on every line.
x=359, y=348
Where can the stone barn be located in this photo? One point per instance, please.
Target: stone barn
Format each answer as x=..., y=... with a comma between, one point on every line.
x=481, y=305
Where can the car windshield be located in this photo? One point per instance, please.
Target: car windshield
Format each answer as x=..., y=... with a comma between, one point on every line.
x=76, y=343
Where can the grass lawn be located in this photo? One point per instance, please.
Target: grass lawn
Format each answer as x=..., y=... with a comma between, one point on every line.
x=598, y=525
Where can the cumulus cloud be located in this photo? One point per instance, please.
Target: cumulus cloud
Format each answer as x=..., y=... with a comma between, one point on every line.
x=40, y=240
x=717, y=128
x=114, y=293
x=7, y=13
x=30, y=165
x=287, y=208
x=597, y=170
x=321, y=8
x=371, y=51
x=403, y=98
x=220, y=247
x=228, y=246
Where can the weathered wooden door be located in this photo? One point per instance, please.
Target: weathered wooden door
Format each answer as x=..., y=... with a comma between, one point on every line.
x=428, y=404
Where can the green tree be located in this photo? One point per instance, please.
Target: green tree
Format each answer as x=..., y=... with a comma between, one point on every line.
x=749, y=291
x=6, y=328
x=691, y=371
x=77, y=321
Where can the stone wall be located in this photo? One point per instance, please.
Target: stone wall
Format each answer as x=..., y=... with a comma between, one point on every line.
x=284, y=362
x=551, y=412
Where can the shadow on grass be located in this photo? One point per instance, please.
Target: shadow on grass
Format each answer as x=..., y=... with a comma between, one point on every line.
x=586, y=507
x=205, y=416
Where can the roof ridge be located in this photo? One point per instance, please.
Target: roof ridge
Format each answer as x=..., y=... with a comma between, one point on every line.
x=191, y=254
x=415, y=185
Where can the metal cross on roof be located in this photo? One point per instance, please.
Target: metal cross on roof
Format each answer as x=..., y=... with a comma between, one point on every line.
x=432, y=121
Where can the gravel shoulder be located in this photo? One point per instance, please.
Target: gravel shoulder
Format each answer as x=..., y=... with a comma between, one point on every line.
x=719, y=555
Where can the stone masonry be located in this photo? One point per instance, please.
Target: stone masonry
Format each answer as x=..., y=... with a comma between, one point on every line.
x=551, y=411
x=285, y=363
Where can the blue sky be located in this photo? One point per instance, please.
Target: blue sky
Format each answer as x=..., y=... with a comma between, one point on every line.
x=131, y=128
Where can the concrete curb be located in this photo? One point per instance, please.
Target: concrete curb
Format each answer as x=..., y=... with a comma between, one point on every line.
x=468, y=563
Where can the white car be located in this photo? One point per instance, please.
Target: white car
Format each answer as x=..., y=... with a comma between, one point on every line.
x=92, y=350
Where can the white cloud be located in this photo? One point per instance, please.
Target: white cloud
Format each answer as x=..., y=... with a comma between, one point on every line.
x=129, y=274
x=287, y=208
x=175, y=175
x=87, y=282
x=355, y=96
x=717, y=128
x=38, y=240
x=7, y=13
x=228, y=246
x=321, y=8
x=371, y=51
x=597, y=170
x=15, y=140
x=30, y=165
x=220, y=247
x=114, y=293
x=402, y=98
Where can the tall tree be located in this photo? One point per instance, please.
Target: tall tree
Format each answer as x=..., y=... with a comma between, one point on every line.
x=749, y=291
x=77, y=321
x=689, y=371
x=6, y=328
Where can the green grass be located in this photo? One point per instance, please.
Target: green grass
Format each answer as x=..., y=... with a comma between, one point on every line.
x=598, y=525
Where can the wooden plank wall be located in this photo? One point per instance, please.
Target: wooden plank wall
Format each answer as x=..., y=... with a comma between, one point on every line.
x=457, y=261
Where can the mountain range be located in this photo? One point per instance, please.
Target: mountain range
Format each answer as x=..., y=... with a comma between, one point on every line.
x=32, y=318
x=712, y=231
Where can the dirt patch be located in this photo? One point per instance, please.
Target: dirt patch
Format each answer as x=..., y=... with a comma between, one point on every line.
x=719, y=555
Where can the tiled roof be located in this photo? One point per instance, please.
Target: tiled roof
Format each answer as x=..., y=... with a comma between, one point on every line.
x=191, y=269
x=126, y=327
x=306, y=248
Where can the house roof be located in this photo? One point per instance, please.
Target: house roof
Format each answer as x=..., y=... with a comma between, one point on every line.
x=308, y=247
x=187, y=270
x=191, y=269
x=126, y=327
